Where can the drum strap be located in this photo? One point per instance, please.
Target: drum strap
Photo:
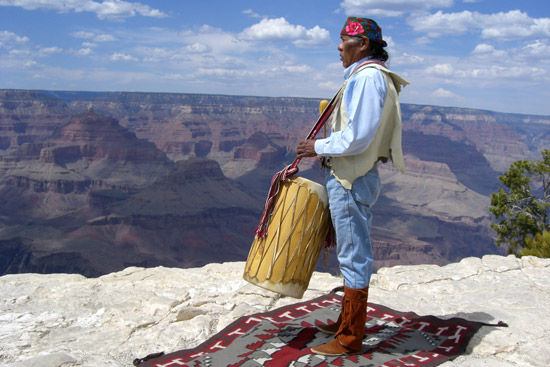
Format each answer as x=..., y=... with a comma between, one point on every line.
x=285, y=173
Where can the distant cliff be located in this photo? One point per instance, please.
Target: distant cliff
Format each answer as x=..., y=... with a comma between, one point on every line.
x=93, y=182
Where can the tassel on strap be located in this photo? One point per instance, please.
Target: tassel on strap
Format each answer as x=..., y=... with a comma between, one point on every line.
x=278, y=178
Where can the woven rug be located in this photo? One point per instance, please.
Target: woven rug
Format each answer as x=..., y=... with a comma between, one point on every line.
x=282, y=337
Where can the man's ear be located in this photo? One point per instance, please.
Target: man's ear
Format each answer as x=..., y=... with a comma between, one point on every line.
x=365, y=42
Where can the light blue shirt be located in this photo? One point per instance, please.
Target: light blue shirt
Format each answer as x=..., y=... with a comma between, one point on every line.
x=364, y=98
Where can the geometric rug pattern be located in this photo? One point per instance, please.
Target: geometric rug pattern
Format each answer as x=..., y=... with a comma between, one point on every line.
x=282, y=337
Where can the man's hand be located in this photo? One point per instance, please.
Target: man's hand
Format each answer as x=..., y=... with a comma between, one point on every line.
x=306, y=148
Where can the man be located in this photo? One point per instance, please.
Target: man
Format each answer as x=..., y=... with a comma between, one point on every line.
x=365, y=129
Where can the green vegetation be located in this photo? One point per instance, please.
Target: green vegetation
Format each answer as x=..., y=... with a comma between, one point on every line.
x=522, y=210
x=537, y=246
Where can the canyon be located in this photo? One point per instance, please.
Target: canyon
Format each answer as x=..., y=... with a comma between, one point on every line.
x=94, y=182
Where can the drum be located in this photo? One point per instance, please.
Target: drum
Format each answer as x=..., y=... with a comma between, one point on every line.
x=283, y=261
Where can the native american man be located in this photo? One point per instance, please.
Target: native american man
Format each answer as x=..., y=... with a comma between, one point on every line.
x=365, y=130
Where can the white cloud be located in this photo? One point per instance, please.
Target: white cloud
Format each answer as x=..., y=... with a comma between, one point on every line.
x=507, y=26
x=58, y=74
x=173, y=76
x=329, y=85
x=498, y=74
x=439, y=24
x=391, y=8
x=314, y=37
x=84, y=52
x=423, y=40
x=444, y=70
x=122, y=57
x=161, y=54
x=484, y=50
x=444, y=93
x=107, y=9
x=83, y=34
x=47, y=51
x=104, y=38
x=224, y=73
x=281, y=30
x=100, y=78
x=197, y=48
x=406, y=59
x=216, y=41
x=280, y=71
x=292, y=69
x=514, y=25
x=251, y=13
x=539, y=49
x=20, y=52
x=154, y=54
x=517, y=72
x=11, y=38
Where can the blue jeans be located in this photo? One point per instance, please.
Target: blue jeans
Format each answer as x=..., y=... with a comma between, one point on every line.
x=352, y=221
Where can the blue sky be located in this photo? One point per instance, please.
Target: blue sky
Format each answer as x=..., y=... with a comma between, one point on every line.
x=487, y=54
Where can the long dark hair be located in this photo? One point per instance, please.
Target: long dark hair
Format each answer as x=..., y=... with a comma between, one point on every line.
x=378, y=52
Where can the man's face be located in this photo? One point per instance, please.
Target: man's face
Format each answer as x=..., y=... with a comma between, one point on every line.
x=352, y=49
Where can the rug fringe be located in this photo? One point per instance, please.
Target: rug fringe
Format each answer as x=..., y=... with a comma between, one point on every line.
x=148, y=357
x=498, y=324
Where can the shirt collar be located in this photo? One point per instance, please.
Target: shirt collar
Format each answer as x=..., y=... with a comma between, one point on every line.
x=351, y=68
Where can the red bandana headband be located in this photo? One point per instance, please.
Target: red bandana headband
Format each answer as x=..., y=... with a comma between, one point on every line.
x=357, y=27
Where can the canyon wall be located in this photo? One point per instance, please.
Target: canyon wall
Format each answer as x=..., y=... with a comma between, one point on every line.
x=93, y=182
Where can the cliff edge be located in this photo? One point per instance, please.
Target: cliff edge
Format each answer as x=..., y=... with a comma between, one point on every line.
x=63, y=320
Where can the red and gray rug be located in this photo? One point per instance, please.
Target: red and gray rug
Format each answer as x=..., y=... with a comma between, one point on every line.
x=283, y=337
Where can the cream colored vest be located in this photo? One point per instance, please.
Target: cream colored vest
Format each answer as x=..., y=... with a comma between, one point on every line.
x=387, y=141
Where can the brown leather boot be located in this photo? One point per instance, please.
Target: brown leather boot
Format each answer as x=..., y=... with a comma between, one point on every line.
x=331, y=328
x=349, y=337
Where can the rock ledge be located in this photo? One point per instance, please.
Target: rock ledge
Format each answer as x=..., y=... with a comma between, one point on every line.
x=64, y=320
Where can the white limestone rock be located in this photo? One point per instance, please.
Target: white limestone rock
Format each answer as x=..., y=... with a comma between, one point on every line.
x=63, y=320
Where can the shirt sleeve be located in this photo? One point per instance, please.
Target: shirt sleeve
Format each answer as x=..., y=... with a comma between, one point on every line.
x=364, y=98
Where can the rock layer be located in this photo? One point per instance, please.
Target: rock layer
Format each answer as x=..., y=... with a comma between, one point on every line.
x=101, y=184
x=62, y=320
